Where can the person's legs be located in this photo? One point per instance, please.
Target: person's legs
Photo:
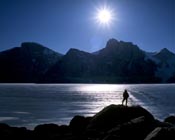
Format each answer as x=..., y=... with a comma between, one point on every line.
x=126, y=101
x=123, y=101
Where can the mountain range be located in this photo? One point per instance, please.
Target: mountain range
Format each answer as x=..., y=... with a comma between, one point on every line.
x=118, y=62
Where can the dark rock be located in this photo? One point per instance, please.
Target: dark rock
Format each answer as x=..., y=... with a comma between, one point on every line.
x=19, y=133
x=5, y=131
x=170, y=119
x=46, y=128
x=78, y=124
x=4, y=126
x=94, y=134
x=136, y=129
x=46, y=131
x=114, y=115
x=162, y=133
x=111, y=137
x=115, y=122
x=64, y=129
x=162, y=124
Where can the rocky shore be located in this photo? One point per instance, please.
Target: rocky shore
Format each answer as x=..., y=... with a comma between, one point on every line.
x=114, y=122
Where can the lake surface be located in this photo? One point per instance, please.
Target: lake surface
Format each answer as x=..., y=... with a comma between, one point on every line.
x=32, y=104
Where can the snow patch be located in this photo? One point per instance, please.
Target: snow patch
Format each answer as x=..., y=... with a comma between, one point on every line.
x=166, y=69
x=151, y=56
x=47, y=52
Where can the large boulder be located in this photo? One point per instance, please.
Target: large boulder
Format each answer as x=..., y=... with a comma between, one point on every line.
x=46, y=128
x=20, y=133
x=114, y=115
x=79, y=123
x=46, y=131
x=5, y=131
x=136, y=129
x=170, y=119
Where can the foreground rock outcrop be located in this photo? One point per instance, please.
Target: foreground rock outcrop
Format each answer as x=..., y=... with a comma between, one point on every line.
x=114, y=122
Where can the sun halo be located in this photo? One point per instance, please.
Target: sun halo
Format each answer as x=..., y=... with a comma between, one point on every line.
x=104, y=16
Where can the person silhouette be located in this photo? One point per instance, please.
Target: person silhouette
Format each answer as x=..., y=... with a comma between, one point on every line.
x=125, y=97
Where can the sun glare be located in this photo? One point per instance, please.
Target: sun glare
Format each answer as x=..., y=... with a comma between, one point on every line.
x=104, y=16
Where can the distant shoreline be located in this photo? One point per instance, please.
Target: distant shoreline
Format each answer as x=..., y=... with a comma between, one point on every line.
x=99, y=83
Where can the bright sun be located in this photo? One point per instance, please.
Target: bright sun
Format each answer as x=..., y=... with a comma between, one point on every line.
x=104, y=16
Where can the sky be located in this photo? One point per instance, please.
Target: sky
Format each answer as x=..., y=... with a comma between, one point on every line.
x=64, y=24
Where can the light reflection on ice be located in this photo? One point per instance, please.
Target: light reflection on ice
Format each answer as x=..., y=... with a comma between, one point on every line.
x=30, y=104
x=8, y=118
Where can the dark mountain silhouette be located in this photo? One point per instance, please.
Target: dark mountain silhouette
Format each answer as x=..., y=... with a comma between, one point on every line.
x=26, y=63
x=74, y=66
x=118, y=62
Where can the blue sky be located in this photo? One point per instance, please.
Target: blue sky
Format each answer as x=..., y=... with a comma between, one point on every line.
x=64, y=24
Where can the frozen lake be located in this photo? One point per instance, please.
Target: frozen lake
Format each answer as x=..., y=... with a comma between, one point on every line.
x=32, y=104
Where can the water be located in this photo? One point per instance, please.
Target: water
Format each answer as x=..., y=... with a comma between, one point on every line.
x=32, y=104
